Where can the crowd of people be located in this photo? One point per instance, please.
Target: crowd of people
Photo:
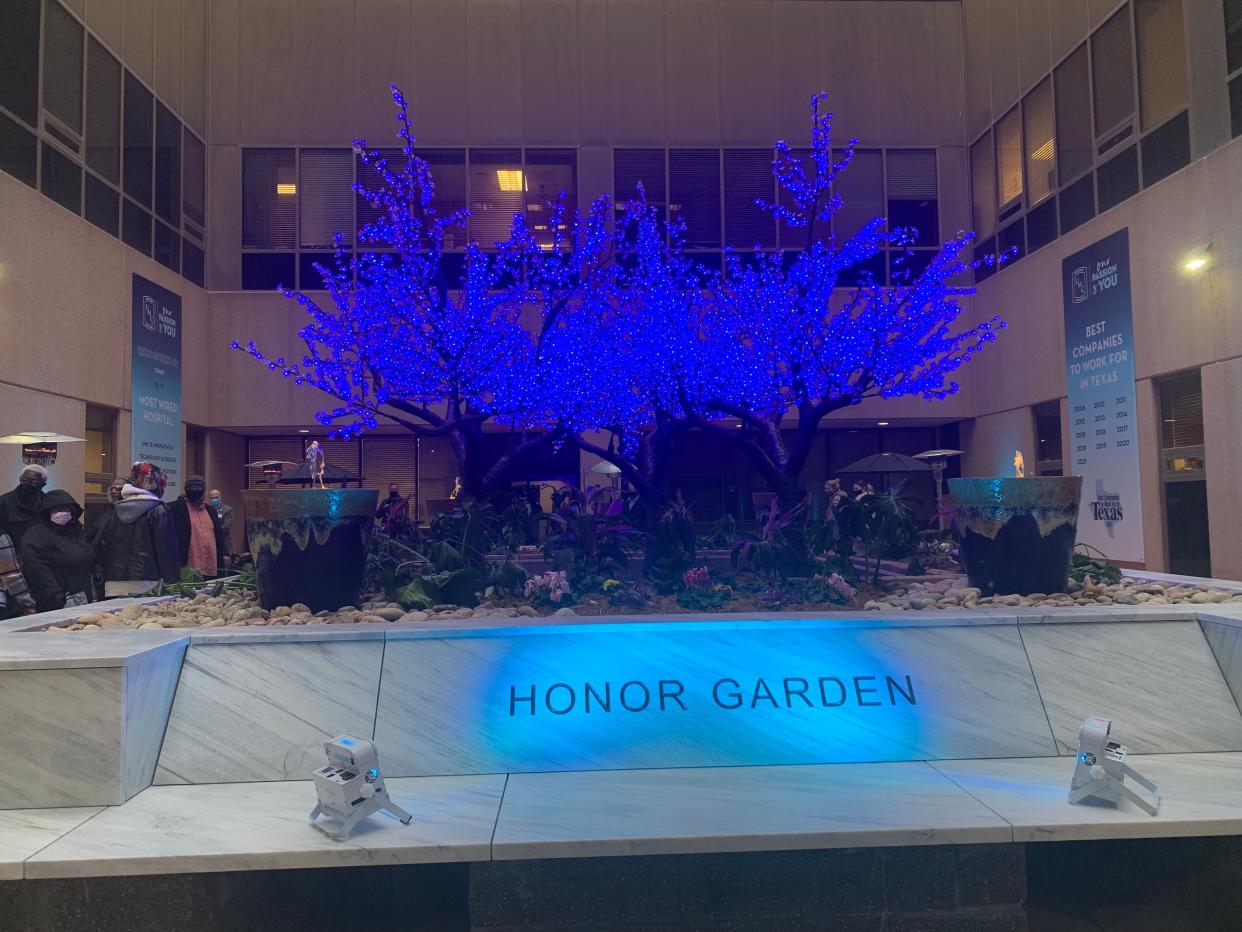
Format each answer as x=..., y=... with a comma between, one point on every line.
x=48, y=560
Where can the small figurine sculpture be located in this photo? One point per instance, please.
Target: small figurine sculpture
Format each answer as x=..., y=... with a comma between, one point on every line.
x=314, y=458
x=456, y=488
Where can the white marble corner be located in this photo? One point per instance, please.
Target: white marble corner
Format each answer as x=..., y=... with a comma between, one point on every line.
x=264, y=826
x=1158, y=682
x=62, y=650
x=150, y=682
x=60, y=737
x=1226, y=644
x=633, y=812
x=26, y=832
x=454, y=705
x=262, y=711
x=1201, y=794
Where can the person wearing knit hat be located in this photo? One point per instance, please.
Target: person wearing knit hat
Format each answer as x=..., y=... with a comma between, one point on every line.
x=149, y=478
x=20, y=508
x=137, y=545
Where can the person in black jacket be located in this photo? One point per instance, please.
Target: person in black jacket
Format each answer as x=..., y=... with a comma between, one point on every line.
x=56, y=559
x=137, y=544
x=20, y=508
x=201, y=542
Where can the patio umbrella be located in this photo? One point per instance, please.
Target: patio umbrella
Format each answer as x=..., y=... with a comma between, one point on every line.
x=886, y=463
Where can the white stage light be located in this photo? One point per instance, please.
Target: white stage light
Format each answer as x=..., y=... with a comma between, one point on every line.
x=351, y=787
x=1100, y=769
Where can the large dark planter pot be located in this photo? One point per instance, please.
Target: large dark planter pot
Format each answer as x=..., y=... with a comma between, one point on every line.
x=309, y=545
x=1017, y=534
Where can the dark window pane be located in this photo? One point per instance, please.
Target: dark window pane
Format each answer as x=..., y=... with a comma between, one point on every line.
x=1011, y=242
x=309, y=278
x=269, y=197
x=707, y=265
x=1118, y=178
x=694, y=195
x=326, y=196
x=550, y=173
x=453, y=268
x=102, y=205
x=1166, y=149
x=139, y=132
x=861, y=187
x=1077, y=203
x=18, y=150
x=496, y=194
x=19, y=72
x=167, y=247
x=634, y=167
x=1047, y=432
x=869, y=272
x=135, y=226
x=912, y=194
x=167, y=165
x=265, y=271
x=1074, y=139
x=1112, y=75
x=448, y=168
x=192, y=262
x=905, y=267
x=62, y=65
x=1181, y=411
x=1233, y=34
x=368, y=177
x=983, y=250
x=61, y=179
x=747, y=179
x=103, y=111
x=194, y=179
x=1041, y=225
x=1235, y=105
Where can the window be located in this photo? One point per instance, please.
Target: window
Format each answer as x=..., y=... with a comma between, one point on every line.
x=1118, y=178
x=269, y=188
x=792, y=237
x=1181, y=411
x=694, y=195
x=1112, y=80
x=748, y=178
x=448, y=167
x=193, y=183
x=139, y=136
x=167, y=166
x=1233, y=35
x=19, y=76
x=102, y=205
x=103, y=112
x=1166, y=149
x=1183, y=470
x=325, y=196
x=911, y=191
x=497, y=192
x=983, y=185
x=1041, y=225
x=192, y=262
x=18, y=150
x=167, y=247
x=135, y=226
x=61, y=179
x=1077, y=203
x=1009, y=162
x=390, y=459
x=1235, y=106
x=861, y=187
x=266, y=271
x=645, y=168
x=101, y=462
x=1161, y=59
x=1048, y=439
x=1041, y=153
x=62, y=73
x=437, y=472
x=1073, y=116
x=550, y=174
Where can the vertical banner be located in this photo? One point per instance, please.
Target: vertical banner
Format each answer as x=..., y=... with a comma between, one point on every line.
x=155, y=336
x=1099, y=353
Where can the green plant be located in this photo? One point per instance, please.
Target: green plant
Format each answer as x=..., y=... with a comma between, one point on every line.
x=506, y=579
x=780, y=550
x=829, y=588
x=721, y=534
x=590, y=534
x=620, y=594
x=883, y=523
x=671, y=548
x=1087, y=563
x=240, y=579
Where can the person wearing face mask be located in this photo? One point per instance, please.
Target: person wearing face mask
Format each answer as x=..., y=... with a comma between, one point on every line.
x=20, y=508
x=200, y=538
x=56, y=559
x=137, y=542
x=394, y=512
x=216, y=501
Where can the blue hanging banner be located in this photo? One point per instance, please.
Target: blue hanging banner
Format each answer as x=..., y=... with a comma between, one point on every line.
x=155, y=381
x=1099, y=350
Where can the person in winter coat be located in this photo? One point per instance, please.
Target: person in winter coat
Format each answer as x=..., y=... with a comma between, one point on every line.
x=20, y=508
x=137, y=545
x=200, y=536
x=15, y=597
x=56, y=559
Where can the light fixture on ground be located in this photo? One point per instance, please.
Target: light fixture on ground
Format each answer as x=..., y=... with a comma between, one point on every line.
x=1100, y=770
x=1196, y=259
x=351, y=788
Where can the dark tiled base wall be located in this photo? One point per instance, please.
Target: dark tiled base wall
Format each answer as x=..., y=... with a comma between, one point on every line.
x=1157, y=884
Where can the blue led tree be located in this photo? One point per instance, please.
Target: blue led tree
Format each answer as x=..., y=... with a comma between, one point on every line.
x=774, y=347
x=404, y=339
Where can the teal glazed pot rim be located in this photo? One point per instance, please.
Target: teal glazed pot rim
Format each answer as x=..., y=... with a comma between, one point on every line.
x=277, y=504
x=1013, y=493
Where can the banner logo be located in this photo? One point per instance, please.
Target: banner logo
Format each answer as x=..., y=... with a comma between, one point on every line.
x=1080, y=285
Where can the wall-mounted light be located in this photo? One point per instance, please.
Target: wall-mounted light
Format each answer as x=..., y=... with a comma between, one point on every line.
x=286, y=188
x=303, y=430
x=1196, y=259
x=881, y=423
